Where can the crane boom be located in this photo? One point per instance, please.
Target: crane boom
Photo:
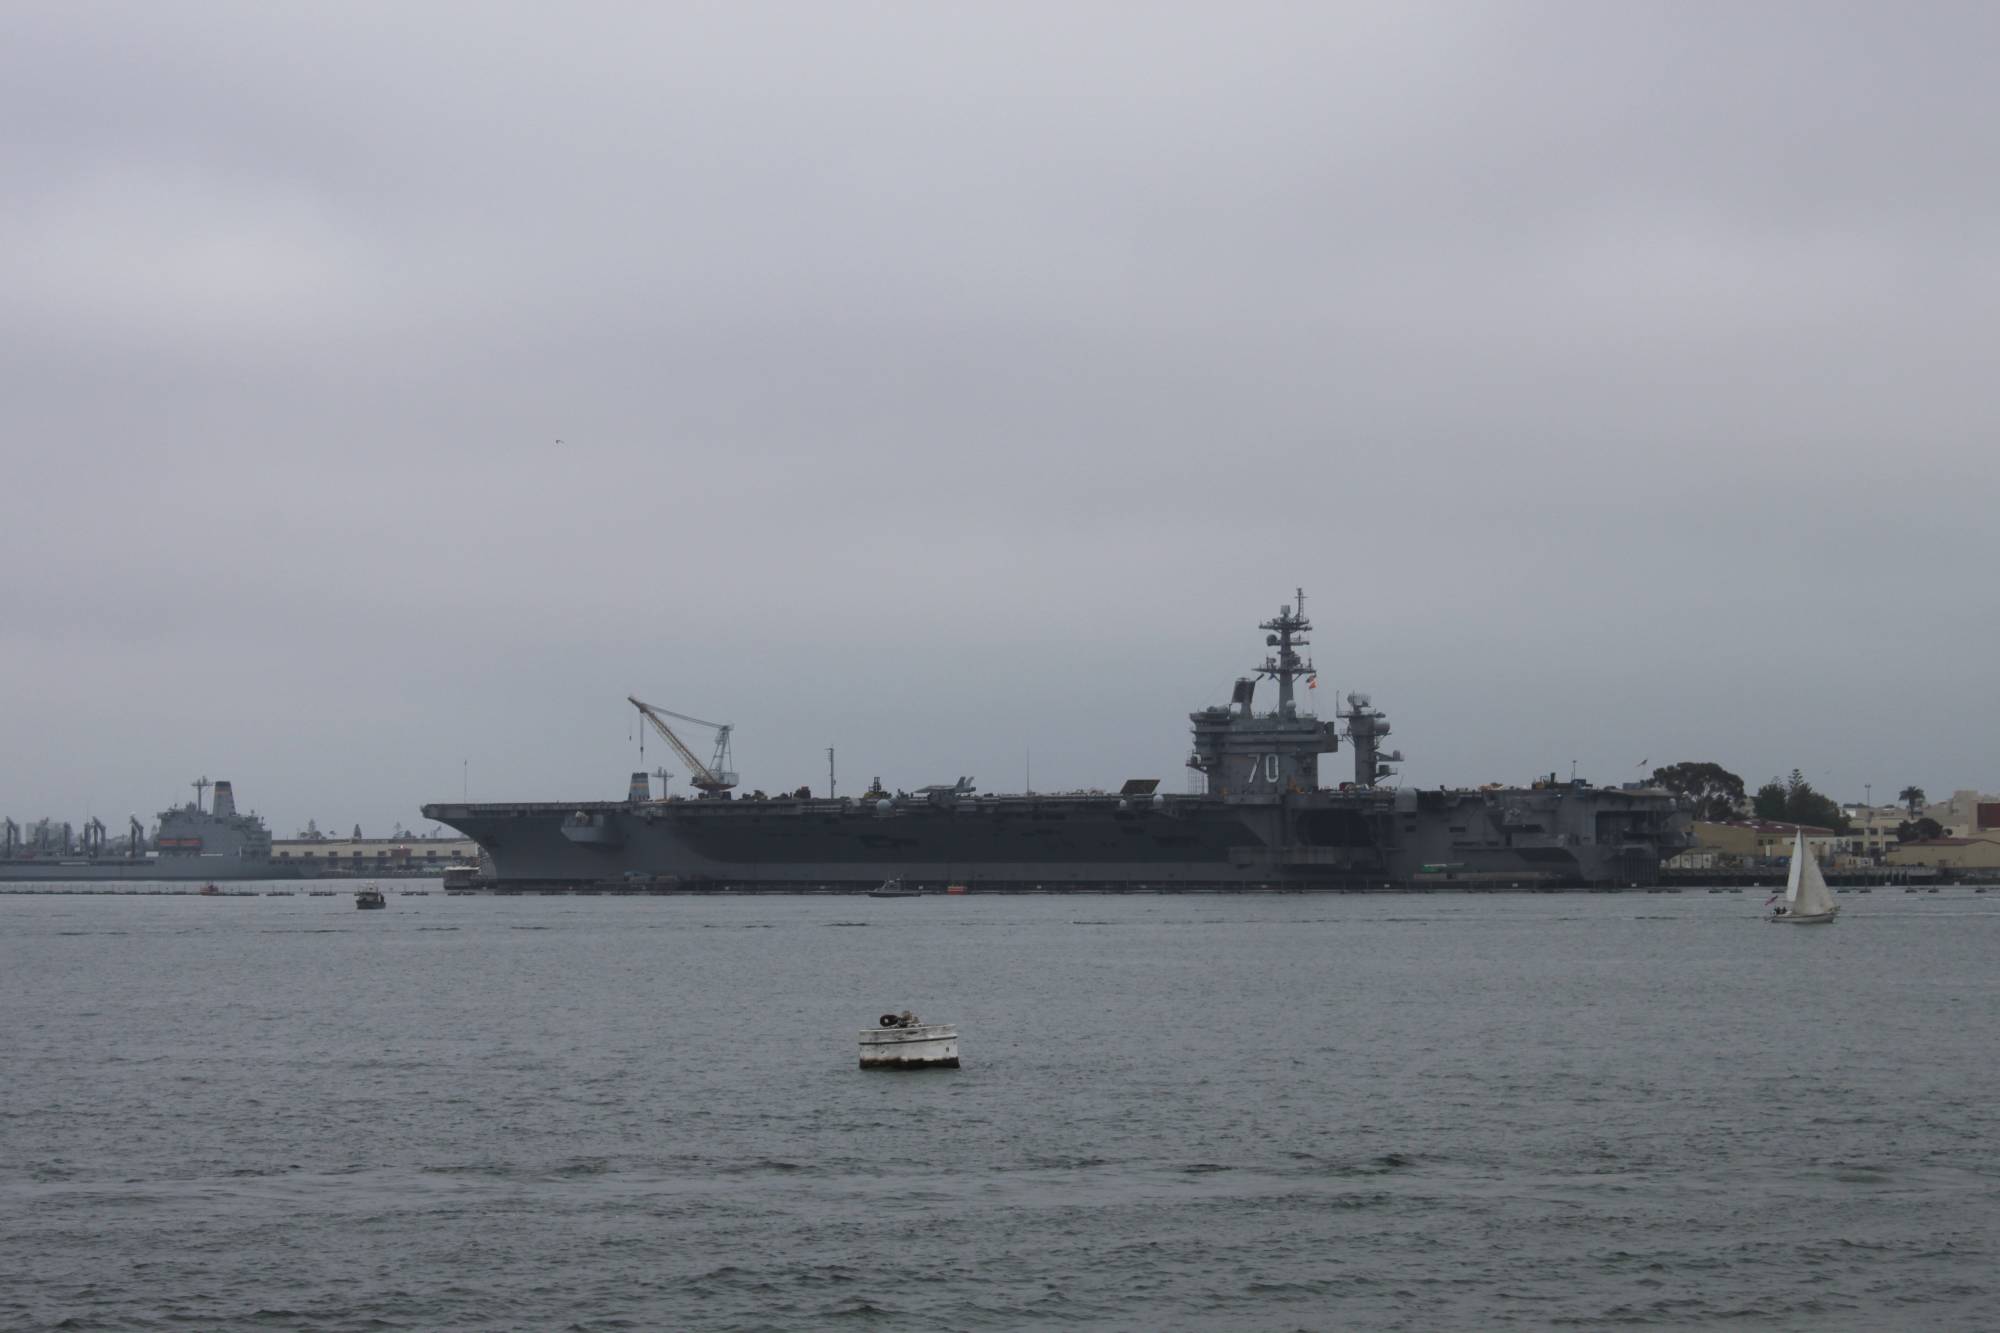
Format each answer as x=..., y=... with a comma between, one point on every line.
x=695, y=766
x=712, y=778
x=681, y=717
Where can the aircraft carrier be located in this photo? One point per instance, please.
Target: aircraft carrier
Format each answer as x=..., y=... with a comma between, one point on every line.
x=1264, y=822
x=193, y=843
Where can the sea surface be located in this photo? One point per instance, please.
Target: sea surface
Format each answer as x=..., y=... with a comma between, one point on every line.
x=1263, y=1112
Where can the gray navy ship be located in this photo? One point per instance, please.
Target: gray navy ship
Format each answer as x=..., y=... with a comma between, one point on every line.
x=1264, y=822
x=192, y=843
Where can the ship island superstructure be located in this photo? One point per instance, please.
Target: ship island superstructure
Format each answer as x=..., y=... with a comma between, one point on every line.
x=1264, y=822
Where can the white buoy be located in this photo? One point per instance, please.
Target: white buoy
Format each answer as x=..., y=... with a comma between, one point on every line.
x=901, y=1042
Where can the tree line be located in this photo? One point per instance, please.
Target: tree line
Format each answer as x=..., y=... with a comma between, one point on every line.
x=1717, y=795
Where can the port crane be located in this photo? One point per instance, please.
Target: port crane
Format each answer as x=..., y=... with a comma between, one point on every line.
x=712, y=778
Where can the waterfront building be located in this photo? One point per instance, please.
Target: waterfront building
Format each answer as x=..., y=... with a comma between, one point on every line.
x=1949, y=853
x=1739, y=841
x=385, y=857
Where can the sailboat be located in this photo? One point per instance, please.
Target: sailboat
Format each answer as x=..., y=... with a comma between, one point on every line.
x=1807, y=902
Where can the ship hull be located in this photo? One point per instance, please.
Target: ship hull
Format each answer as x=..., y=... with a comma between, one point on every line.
x=1568, y=836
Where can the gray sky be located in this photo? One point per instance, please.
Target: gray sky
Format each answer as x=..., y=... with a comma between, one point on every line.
x=944, y=382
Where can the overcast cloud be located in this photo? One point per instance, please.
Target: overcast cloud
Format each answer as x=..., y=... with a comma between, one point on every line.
x=948, y=382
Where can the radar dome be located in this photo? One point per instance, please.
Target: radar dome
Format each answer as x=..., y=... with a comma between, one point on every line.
x=885, y=805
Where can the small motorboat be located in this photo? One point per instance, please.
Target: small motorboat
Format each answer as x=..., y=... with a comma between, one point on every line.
x=369, y=897
x=893, y=888
x=899, y=1041
x=210, y=891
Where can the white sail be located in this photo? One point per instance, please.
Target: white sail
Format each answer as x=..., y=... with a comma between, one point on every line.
x=1813, y=898
x=1806, y=893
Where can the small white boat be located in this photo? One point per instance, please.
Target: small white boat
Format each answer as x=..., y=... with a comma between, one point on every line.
x=893, y=888
x=901, y=1042
x=370, y=897
x=1806, y=900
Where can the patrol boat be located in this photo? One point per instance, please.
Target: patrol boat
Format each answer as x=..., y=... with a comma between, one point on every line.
x=1265, y=821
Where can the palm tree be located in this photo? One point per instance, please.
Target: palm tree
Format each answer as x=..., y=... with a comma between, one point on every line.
x=1912, y=797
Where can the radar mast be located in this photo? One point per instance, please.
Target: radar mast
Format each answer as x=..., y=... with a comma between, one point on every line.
x=1287, y=634
x=1366, y=727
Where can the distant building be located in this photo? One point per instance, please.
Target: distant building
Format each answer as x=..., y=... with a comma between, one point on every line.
x=1744, y=840
x=1949, y=853
x=1871, y=829
x=376, y=856
x=1968, y=814
x=1871, y=832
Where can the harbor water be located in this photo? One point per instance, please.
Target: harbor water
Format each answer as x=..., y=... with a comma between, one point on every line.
x=1260, y=1112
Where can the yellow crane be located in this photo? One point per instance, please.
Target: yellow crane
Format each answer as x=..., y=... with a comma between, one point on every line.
x=712, y=778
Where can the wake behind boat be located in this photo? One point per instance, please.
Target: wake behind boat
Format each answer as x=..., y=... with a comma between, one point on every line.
x=1806, y=899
